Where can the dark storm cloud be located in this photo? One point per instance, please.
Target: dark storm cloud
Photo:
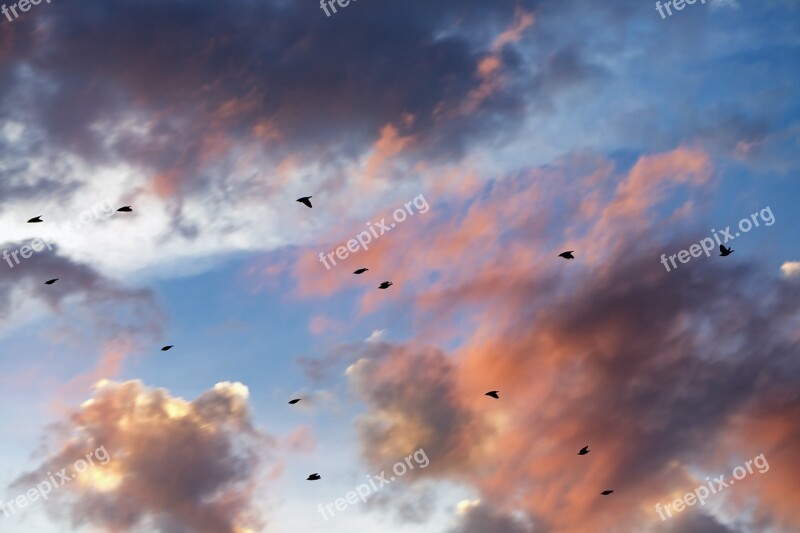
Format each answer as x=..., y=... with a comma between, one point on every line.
x=205, y=74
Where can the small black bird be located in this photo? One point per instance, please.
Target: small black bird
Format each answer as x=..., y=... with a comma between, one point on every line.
x=385, y=285
x=313, y=477
x=292, y=402
x=305, y=200
x=125, y=209
x=360, y=271
x=606, y=492
x=584, y=450
x=50, y=281
x=165, y=348
x=494, y=394
x=34, y=220
x=724, y=251
x=567, y=255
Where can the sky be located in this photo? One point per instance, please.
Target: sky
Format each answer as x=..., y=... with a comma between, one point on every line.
x=453, y=148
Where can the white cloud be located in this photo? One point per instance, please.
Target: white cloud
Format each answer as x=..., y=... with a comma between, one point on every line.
x=376, y=335
x=791, y=268
x=716, y=4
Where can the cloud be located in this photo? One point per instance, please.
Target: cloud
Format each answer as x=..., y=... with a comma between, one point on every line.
x=113, y=309
x=175, y=465
x=665, y=375
x=716, y=4
x=693, y=520
x=474, y=517
x=413, y=404
x=790, y=268
x=376, y=335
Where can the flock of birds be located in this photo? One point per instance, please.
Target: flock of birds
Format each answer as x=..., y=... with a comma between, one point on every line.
x=306, y=200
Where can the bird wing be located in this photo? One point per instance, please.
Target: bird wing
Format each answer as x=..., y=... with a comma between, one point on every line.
x=722, y=248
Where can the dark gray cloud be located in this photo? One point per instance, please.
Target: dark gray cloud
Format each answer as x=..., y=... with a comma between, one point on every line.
x=411, y=409
x=666, y=362
x=206, y=75
x=112, y=309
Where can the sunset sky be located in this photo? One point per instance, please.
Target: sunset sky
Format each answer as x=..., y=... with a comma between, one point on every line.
x=504, y=132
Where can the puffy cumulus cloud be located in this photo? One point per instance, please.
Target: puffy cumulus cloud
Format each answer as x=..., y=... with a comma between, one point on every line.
x=413, y=404
x=668, y=376
x=791, y=268
x=175, y=465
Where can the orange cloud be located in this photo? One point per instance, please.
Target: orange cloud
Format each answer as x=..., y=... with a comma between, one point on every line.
x=608, y=350
x=208, y=446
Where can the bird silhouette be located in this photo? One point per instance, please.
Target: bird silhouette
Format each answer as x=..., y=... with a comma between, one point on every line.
x=567, y=255
x=494, y=394
x=34, y=220
x=165, y=348
x=584, y=450
x=313, y=477
x=385, y=285
x=292, y=402
x=305, y=200
x=724, y=251
x=125, y=209
x=360, y=271
x=50, y=281
x=606, y=492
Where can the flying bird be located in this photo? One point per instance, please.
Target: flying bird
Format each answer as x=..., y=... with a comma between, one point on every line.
x=724, y=251
x=494, y=394
x=125, y=209
x=50, y=281
x=165, y=348
x=567, y=255
x=292, y=402
x=305, y=200
x=34, y=220
x=606, y=492
x=584, y=450
x=360, y=271
x=313, y=477
x=385, y=285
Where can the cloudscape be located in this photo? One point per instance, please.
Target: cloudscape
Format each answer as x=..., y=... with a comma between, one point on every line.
x=512, y=266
